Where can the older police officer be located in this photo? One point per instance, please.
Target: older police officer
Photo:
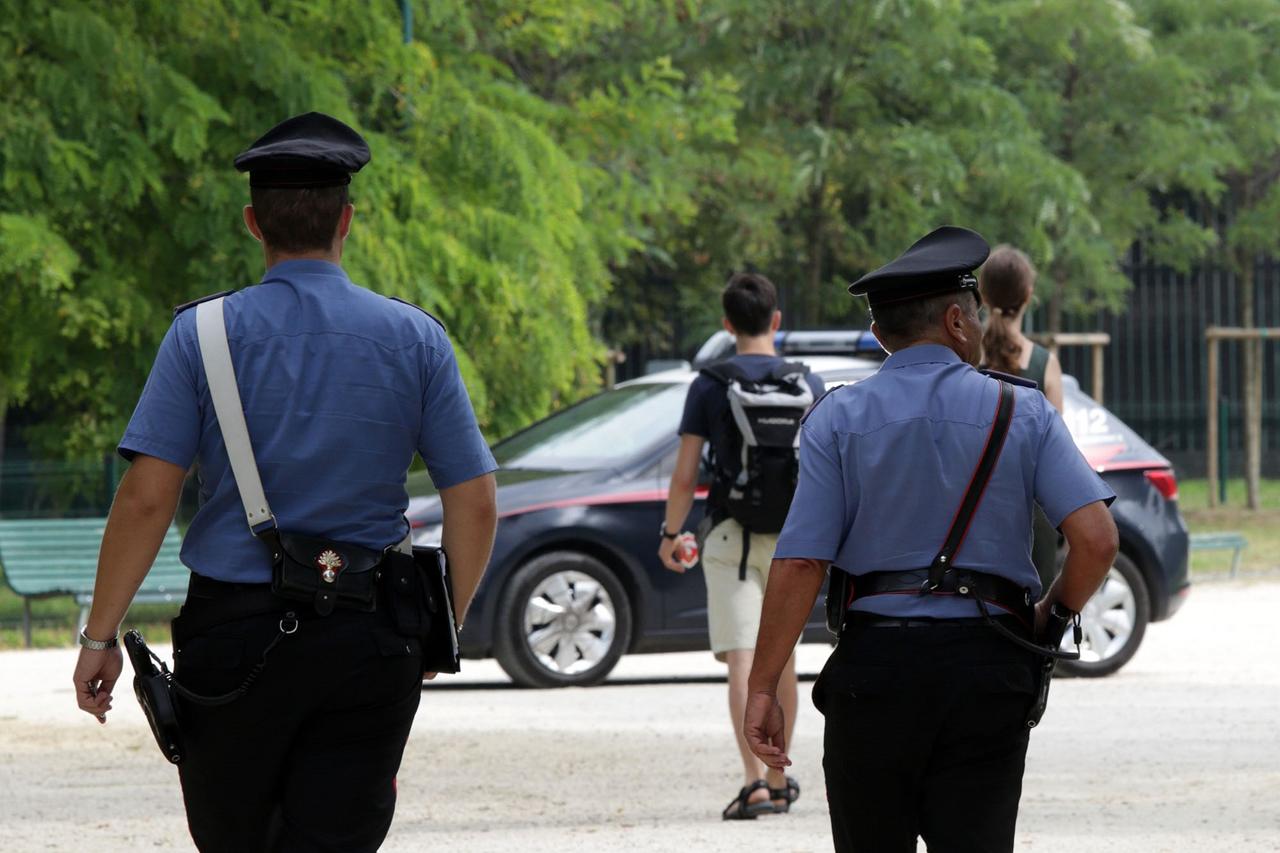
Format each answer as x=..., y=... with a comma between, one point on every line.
x=340, y=386
x=927, y=704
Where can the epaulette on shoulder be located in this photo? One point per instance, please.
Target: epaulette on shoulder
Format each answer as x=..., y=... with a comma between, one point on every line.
x=194, y=302
x=816, y=402
x=1020, y=381
x=423, y=310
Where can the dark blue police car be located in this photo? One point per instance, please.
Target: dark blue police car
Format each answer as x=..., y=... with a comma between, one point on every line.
x=575, y=581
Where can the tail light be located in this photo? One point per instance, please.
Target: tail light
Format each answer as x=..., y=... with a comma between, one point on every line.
x=1164, y=481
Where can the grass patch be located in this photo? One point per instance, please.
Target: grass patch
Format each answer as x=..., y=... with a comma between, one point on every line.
x=1261, y=527
x=53, y=620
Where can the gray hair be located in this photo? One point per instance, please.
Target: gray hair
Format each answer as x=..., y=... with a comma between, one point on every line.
x=904, y=323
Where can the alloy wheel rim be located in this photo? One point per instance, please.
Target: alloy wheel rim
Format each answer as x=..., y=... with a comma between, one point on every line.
x=569, y=622
x=1107, y=621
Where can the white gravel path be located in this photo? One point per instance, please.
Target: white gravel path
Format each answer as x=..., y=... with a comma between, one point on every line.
x=1178, y=752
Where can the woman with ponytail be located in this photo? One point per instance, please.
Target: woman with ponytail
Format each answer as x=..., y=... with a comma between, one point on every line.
x=1006, y=281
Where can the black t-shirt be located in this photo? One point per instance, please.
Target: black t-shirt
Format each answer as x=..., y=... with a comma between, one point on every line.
x=706, y=408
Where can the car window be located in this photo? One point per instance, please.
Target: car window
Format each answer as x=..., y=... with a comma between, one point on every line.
x=600, y=432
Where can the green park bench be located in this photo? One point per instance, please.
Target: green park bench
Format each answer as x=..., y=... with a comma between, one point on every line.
x=59, y=556
x=1234, y=542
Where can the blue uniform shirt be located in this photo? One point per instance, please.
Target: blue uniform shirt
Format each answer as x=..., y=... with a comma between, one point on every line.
x=340, y=386
x=884, y=465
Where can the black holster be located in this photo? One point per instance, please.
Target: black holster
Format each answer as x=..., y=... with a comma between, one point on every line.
x=154, y=688
x=839, y=597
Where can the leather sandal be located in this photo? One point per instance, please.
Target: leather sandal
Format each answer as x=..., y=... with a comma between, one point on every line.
x=787, y=795
x=740, y=809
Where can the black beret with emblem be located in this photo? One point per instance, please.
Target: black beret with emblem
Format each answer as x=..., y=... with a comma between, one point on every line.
x=310, y=150
x=942, y=261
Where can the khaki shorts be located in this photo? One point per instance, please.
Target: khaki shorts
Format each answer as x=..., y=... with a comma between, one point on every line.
x=733, y=606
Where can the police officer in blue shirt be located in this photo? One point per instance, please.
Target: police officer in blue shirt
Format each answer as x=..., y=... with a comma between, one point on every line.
x=340, y=387
x=927, y=703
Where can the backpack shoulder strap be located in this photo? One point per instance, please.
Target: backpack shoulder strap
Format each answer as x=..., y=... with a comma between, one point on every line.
x=788, y=368
x=977, y=485
x=724, y=372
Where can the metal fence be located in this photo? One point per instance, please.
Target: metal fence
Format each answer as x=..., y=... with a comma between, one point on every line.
x=1155, y=367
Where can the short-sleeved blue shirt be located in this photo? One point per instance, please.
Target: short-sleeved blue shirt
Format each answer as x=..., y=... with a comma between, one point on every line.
x=340, y=387
x=884, y=465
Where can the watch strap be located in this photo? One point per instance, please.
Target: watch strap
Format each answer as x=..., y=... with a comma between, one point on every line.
x=88, y=642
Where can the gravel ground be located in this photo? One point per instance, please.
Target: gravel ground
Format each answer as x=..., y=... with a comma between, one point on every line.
x=1180, y=751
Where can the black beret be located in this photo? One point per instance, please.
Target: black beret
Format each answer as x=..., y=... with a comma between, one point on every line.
x=310, y=150
x=939, y=262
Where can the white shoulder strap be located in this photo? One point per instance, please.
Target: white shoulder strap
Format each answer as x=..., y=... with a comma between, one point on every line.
x=211, y=331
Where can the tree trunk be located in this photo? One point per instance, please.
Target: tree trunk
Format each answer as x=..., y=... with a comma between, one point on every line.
x=1054, y=318
x=810, y=297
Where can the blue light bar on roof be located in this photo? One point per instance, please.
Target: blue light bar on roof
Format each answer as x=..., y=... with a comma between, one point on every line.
x=828, y=342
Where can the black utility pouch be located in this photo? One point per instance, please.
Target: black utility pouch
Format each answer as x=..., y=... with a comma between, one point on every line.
x=155, y=691
x=839, y=593
x=404, y=594
x=440, y=649
x=323, y=573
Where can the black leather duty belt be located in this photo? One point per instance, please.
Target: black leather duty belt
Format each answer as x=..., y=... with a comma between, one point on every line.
x=992, y=589
x=224, y=601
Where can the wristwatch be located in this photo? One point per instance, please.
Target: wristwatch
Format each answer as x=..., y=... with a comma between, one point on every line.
x=662, y=531
x=88, y=642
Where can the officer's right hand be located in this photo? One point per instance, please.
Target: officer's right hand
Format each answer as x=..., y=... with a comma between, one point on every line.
x=95, y=675
x=667, y=554
x=764, y=728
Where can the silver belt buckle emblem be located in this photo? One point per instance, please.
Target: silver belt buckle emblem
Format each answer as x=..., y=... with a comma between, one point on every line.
x=330, y=562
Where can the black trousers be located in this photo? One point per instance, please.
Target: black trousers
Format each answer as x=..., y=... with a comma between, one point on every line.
x=307, y=759
x=925, y=736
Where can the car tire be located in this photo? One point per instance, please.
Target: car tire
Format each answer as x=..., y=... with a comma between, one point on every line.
x=1113, y=622
x=563, y=620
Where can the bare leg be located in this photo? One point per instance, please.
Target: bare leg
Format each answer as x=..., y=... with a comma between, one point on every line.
x=739, y=661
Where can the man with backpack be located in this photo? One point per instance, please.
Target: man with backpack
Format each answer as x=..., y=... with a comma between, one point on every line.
x=748, y=407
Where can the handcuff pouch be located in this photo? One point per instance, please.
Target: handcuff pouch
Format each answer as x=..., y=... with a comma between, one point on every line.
x=323, y=572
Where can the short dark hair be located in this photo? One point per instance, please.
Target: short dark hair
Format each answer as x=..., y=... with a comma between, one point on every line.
x=299, y=220
x=904, y=323
x=749, y=301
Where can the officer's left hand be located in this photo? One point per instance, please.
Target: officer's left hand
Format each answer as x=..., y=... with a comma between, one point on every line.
x=765, y=730
x=95, y=676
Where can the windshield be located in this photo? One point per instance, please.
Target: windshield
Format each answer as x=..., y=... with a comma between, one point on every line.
x=599, y=432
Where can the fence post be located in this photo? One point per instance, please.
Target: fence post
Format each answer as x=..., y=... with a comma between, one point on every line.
x=1097, y=372
x=1211, y=398
x=1224, y=448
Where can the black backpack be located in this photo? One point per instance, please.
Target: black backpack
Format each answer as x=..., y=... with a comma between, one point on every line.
x=754, y=478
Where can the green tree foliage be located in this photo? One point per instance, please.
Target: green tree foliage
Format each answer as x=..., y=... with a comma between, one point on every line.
x=554, y=176
x=494, y=207
x=1127, y=118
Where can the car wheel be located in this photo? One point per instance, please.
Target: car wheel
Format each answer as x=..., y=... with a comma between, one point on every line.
x=1113, y=623
x=563, y=621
